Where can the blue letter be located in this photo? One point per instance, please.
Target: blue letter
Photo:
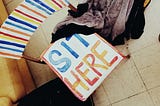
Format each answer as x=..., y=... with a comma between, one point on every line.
x=69, y=49
x=83, y=41
x=54, y=62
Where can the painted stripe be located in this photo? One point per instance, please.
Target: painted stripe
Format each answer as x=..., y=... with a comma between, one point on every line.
x=37, y=6
x=22, y=5
x=22, y=22
x=15, y=34
x=30, y=13
x=18, y=29
x=13, y=39
x=1, y=47
x=29, y=16
x=15, y=31
x=57, y=3
x=10, y=55
x=49, y=2
x=13, y=44
x=25, y=18
x=44, y=5
x=10, y=52
x=62, y=3
x=14, y=25
x=6, y=34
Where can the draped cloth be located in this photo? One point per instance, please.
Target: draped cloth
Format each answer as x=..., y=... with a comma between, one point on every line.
x=109, y=16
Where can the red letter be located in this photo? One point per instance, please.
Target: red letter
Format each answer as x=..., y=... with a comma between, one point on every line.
x=84, y=75
x=102, y=55
x=92, y=65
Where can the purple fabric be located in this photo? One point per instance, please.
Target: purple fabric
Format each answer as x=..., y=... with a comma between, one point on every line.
x=109, y=16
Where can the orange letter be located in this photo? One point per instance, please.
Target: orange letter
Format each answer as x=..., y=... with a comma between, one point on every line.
x=102, y=55
x=75, y=84
x=84, y=75
x=92, y=65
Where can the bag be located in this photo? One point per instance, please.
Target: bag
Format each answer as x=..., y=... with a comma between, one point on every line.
x=53, y=93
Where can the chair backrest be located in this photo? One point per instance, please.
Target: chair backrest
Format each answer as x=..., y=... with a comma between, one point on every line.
x=16, y=31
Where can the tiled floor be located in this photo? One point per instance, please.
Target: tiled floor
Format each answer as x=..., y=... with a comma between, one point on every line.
x=135, y=82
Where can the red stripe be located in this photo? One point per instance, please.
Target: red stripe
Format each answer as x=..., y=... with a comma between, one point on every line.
x=27, y=15
x=57, y=3
x=26, y=7
x=13, y=36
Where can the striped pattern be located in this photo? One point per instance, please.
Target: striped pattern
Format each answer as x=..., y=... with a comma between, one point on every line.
x=23, y=22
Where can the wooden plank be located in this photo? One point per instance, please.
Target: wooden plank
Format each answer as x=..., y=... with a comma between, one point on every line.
x=15, y=77
x=3, y=13
x=25, y=76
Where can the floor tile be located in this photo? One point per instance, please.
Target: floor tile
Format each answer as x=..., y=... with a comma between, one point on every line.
x=138, y=100
x=150, y=75
x=147, y=57
x=100, y=98
x=123, y=82
x=155, y=94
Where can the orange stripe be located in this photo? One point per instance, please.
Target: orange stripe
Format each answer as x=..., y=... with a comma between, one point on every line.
x=8, y=54
x=16, y=31
x=62, y=3
x=33, y=11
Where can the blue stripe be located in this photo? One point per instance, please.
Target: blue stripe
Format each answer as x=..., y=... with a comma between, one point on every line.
x=11, y=49
x=22, y=22
x=67, y=1
x=13, y=44
x=44, y=5
x=20, y=27
x=39, y=7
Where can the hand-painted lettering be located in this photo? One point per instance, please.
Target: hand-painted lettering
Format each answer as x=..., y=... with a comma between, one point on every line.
x=71, y=51
x=102, y=55
x=65, y=60
x=92, y=64
x=83, y=41
x=77, y=83
x=84, y=75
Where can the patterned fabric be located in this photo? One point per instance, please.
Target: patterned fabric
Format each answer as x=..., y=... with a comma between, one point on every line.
x=23, y=22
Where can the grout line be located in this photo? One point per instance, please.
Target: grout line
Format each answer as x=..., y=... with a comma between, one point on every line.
x=147, y=90
x=158, y=86
x=129, y=97
x=148, y=45
x=106, y=94
x=150, y=97
x=139, y=74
